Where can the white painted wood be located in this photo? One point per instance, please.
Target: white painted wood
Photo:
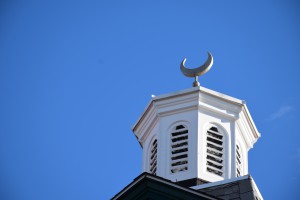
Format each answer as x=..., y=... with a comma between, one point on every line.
x=198, y=109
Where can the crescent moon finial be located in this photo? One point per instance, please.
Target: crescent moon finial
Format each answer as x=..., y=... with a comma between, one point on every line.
x=197, y=71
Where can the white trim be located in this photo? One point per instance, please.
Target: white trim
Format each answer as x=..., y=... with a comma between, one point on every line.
x=249, y=118
x=203, y=90
x=184, y=92
x=147, y=131
x=257, y=190
x=222, y=96
x=206, y=185
x=213, y=110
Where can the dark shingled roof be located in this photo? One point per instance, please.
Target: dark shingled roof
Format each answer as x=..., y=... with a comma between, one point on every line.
x=242, y=188
x=149, y=186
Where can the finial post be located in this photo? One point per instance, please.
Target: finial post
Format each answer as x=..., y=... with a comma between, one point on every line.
x=196, y=82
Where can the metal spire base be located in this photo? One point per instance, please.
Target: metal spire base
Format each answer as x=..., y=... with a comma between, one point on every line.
x=196, y=82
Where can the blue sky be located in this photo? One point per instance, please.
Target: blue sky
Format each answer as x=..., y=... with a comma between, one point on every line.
x=76, y=75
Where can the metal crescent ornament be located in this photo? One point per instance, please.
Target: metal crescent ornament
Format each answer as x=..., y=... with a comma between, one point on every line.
x=197, y=71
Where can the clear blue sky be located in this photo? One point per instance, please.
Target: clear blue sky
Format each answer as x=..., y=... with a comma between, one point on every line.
x=76, y=75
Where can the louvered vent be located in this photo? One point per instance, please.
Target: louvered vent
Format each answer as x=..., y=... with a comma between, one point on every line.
x=238, y=161
x=214, y=157
x=153, y=157
x=179, y=149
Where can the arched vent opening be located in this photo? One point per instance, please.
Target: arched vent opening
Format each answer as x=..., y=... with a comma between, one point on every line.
x=238, y=161
x=215, y=152
x=179, y=149
x=153, y=157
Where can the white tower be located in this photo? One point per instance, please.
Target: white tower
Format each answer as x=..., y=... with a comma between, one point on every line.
x=196, y=135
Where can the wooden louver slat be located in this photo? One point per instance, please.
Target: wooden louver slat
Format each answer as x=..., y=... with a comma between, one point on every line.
x=214, y=152
x=153, y=157
x=238, y=161
x=179, y=149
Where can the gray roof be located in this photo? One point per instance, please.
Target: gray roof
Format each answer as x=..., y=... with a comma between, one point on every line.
x=149, y=186
x=242, y=188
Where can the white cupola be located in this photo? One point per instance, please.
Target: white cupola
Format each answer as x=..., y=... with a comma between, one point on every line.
x=196, y=135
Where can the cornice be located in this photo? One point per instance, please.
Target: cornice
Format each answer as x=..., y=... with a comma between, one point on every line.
x=163, y=101
x=250, y=121
x=202, y=99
